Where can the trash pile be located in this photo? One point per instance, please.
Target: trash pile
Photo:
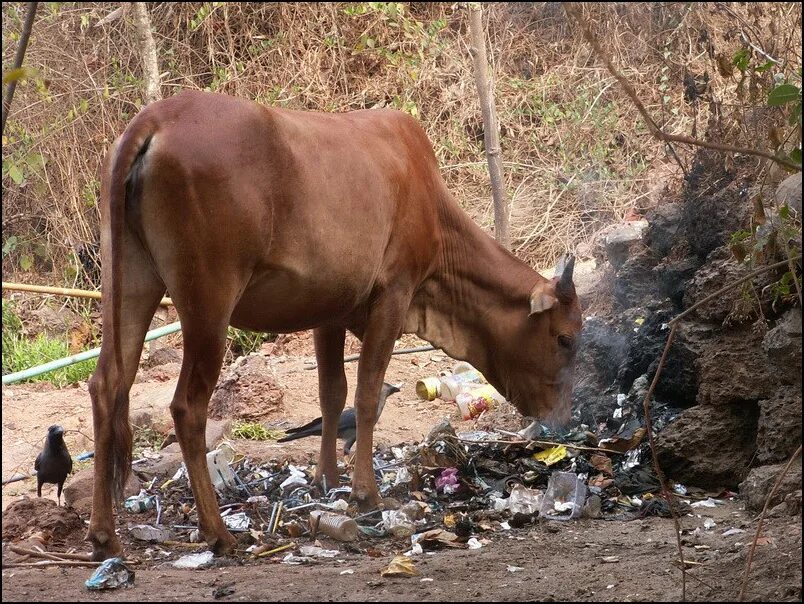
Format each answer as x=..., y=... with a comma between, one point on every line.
x=454, y=489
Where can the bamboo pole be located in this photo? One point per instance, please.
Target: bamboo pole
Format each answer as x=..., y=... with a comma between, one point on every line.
x=63, y=291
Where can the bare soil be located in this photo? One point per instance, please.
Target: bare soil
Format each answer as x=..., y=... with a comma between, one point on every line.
x=584, y=560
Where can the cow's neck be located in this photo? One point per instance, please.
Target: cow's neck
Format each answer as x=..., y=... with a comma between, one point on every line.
x=466, y=305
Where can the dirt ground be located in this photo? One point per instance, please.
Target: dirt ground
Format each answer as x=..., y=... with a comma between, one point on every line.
x=584, y=560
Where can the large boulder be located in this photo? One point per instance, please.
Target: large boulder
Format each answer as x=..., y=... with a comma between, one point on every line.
x=664, y=222
x=248, y=390
x=733, y=368
x=78, y=490
x=635, y=283
x=709, y=446
x=779, y=427
x=783, y=347
x=789, y=192
x=758, y=484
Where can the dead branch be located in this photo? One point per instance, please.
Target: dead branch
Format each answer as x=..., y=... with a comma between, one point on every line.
x=49, y=555
x=18, y=57
x=573, y=10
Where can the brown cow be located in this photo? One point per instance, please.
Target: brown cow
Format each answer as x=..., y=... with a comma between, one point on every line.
x=276, y=220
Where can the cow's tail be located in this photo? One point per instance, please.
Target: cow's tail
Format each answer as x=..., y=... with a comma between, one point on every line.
x=133, y=143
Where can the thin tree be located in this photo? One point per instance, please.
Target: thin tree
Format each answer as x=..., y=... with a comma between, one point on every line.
x=491, y=135
x=147, y=49
x=18, y=57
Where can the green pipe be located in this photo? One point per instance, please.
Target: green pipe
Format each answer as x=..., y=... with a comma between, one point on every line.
x=81, y=356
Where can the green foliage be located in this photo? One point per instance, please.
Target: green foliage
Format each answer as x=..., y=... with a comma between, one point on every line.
x=254, y=431
x=243, y=342
x=145, y=437
x=21, y=353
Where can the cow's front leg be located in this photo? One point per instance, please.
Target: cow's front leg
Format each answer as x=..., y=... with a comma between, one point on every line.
x=332, y=389
x=382, y=328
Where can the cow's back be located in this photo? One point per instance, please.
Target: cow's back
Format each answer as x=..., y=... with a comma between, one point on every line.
x=317, y=209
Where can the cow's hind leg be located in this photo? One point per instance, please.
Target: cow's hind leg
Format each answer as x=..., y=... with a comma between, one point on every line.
x=109, y=387
x=204, y=346
x=332, y=390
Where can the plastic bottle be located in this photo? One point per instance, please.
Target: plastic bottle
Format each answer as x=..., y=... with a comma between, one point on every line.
x=451, y=384
x=462, y=367
x=474, y=399
x=333, y=525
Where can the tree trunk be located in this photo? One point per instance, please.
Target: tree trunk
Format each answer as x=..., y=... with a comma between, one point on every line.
x=147, y=48
x=491, y=135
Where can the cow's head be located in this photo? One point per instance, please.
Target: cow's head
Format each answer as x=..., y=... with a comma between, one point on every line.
x=537, y=374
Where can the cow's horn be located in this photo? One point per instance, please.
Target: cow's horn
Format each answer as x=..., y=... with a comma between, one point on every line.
x=565, y=288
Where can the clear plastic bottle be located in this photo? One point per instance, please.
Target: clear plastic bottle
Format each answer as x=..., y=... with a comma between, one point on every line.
x=451, y=385
x=333, y=525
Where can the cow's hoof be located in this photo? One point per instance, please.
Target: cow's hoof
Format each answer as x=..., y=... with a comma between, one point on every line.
x=222, y=546
x=104, y=546
x=366, y=502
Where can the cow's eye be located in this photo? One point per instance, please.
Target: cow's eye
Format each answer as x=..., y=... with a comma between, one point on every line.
x=566, y=342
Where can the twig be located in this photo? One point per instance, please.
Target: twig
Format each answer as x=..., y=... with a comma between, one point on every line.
x=761, y=520
x=657, y=132
x=49, y=555
x=666, y=492
x=49, y=563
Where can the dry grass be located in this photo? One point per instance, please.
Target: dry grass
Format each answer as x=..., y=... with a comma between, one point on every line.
x=576, y=154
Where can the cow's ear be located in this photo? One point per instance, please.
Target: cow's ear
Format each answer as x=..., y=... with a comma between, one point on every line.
x=543, y=297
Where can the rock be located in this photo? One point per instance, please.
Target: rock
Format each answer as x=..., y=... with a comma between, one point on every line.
x=791, y=506
x=78, y=490
x=163, y=356
x=620, y=241
x=758, y=484
x=51, y=322
x=248, y=390
x=733, y=368
x=662, y=232
x=783, y=346
x=635, y=282
x=678, y=383
x=709, y=446
x=779, y=426
x=789, y=192
x=719, y=269
x=708, y=220
x=170, y=459
x=673, y=278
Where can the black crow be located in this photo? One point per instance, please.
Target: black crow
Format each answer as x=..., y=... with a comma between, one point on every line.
x=347, y=427
x=54, y=463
